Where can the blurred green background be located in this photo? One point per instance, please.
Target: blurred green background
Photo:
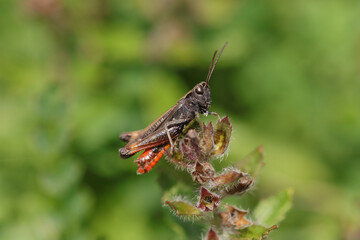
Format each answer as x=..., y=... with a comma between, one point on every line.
x=75, y=74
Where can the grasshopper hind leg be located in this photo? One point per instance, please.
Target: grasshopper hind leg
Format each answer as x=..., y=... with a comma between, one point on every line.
x=130, y=136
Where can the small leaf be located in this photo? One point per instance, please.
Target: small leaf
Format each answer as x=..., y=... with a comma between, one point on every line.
x=235, y=218
x=182, y=208
x=272, y=210
x=254, y=232
x=253, y=162
x=203, y=172
x=212, y=235
x=208, y=201
x=222, y=136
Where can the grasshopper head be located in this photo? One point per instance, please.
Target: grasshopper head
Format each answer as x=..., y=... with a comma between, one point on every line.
x=200, y=95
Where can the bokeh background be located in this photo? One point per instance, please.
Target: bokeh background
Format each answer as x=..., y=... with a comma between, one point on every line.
x=75, y=74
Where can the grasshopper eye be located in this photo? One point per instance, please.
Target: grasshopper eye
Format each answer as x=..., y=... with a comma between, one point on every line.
x=199, y=90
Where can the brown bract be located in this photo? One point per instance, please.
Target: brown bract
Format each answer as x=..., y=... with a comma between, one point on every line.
x=235, y=218
x=227, y=178
x=208, y=201
x=231, y=182
x=203, y=172
x=242, y=184
x=212, y=235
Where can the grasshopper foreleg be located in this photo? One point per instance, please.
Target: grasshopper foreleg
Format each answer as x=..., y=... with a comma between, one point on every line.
x=215, y=114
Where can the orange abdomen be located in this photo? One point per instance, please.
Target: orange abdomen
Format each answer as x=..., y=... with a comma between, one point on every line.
x=149, y=158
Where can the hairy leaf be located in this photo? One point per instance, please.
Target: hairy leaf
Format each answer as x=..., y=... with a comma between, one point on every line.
x=182, y=208
x=254, y=232
x=272, y=210
x=253, y=162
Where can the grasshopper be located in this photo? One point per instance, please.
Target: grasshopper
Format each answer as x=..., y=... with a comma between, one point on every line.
x=160, y=134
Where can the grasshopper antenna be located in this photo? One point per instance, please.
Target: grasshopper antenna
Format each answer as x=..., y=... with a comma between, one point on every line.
x=213, y=64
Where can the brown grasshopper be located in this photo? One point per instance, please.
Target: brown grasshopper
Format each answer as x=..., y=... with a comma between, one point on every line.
x=159, y=135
